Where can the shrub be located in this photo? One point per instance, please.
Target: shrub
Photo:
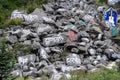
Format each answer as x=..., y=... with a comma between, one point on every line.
x=21, y=49
x=7, y=60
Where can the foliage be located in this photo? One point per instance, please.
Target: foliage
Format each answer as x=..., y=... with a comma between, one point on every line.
x=7, y=60
x=102, y=2
x=104, y=74
x=21, y=49
x=44, y=77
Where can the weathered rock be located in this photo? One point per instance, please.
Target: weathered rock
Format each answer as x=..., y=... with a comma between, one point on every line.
x=89, y=1
x=104, y=58
x=109, y=51
x=82, y=44
x=24, y=60
x=49, y=70
x=43, y=53
x=83, y=34
x=85, y=40
x=73, y=60
x=22, y=15
x=82, y=48
x=86, y=61
x=35, y=45
x=95, y=62
x=99, y=43
x=25, y=32
x=87, y=18
x=111, y=65
x=115, y=56
x=54, y=40
x=40, y=13
x=16, y=73
x=101, y=8
x=27, y=42
x=66, y=68
x=90, y=66
x=43, y=28
x=25, y=74
x=92, y=51
x=112, y=2
x=18, y=32
x=25, y=68
x=56, y=49
x=48, y=8
x=12, y=39
x=56, y=76
x=48, y=20
x=42, y=63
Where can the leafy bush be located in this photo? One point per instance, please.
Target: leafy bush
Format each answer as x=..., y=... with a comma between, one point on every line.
x=7, y=60
x=21, y=49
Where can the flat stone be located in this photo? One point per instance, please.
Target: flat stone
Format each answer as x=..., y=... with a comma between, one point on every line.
x=92, y=51
x=83, y=34
x=54, y=40
x=43, y=54
x=50, y=69
x=27, y=42
x=48, y=20
x=35, y=45
x=43, y=28
x=73, y=60
x=115, y=56
x=12, y=39
x=66, y=68
x=25, y=74
x=56, y=76
x=48, y=8
x=82, y=43
x=85, y=40
x=16, y=73
x=104, y=58
x=90, y=66
x=40, y=13
x=23, y=60
x=87, y=18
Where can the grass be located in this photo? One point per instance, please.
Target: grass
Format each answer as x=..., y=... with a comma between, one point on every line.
x=103, y=74
x=21, y=49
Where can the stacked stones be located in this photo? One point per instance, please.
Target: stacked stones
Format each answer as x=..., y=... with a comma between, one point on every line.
x=64, y=36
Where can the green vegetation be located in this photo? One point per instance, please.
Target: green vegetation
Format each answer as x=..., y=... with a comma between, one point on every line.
x=7, y=6
x=102, y=2
x=104, y=74
x=7, y=60
x=12, y=22
x=21, y=49
x=63, y=55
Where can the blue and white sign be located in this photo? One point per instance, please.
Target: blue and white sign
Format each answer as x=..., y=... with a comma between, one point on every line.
x=111, y=17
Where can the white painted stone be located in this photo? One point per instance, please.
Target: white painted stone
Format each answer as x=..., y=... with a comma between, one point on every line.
x=73, y=60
